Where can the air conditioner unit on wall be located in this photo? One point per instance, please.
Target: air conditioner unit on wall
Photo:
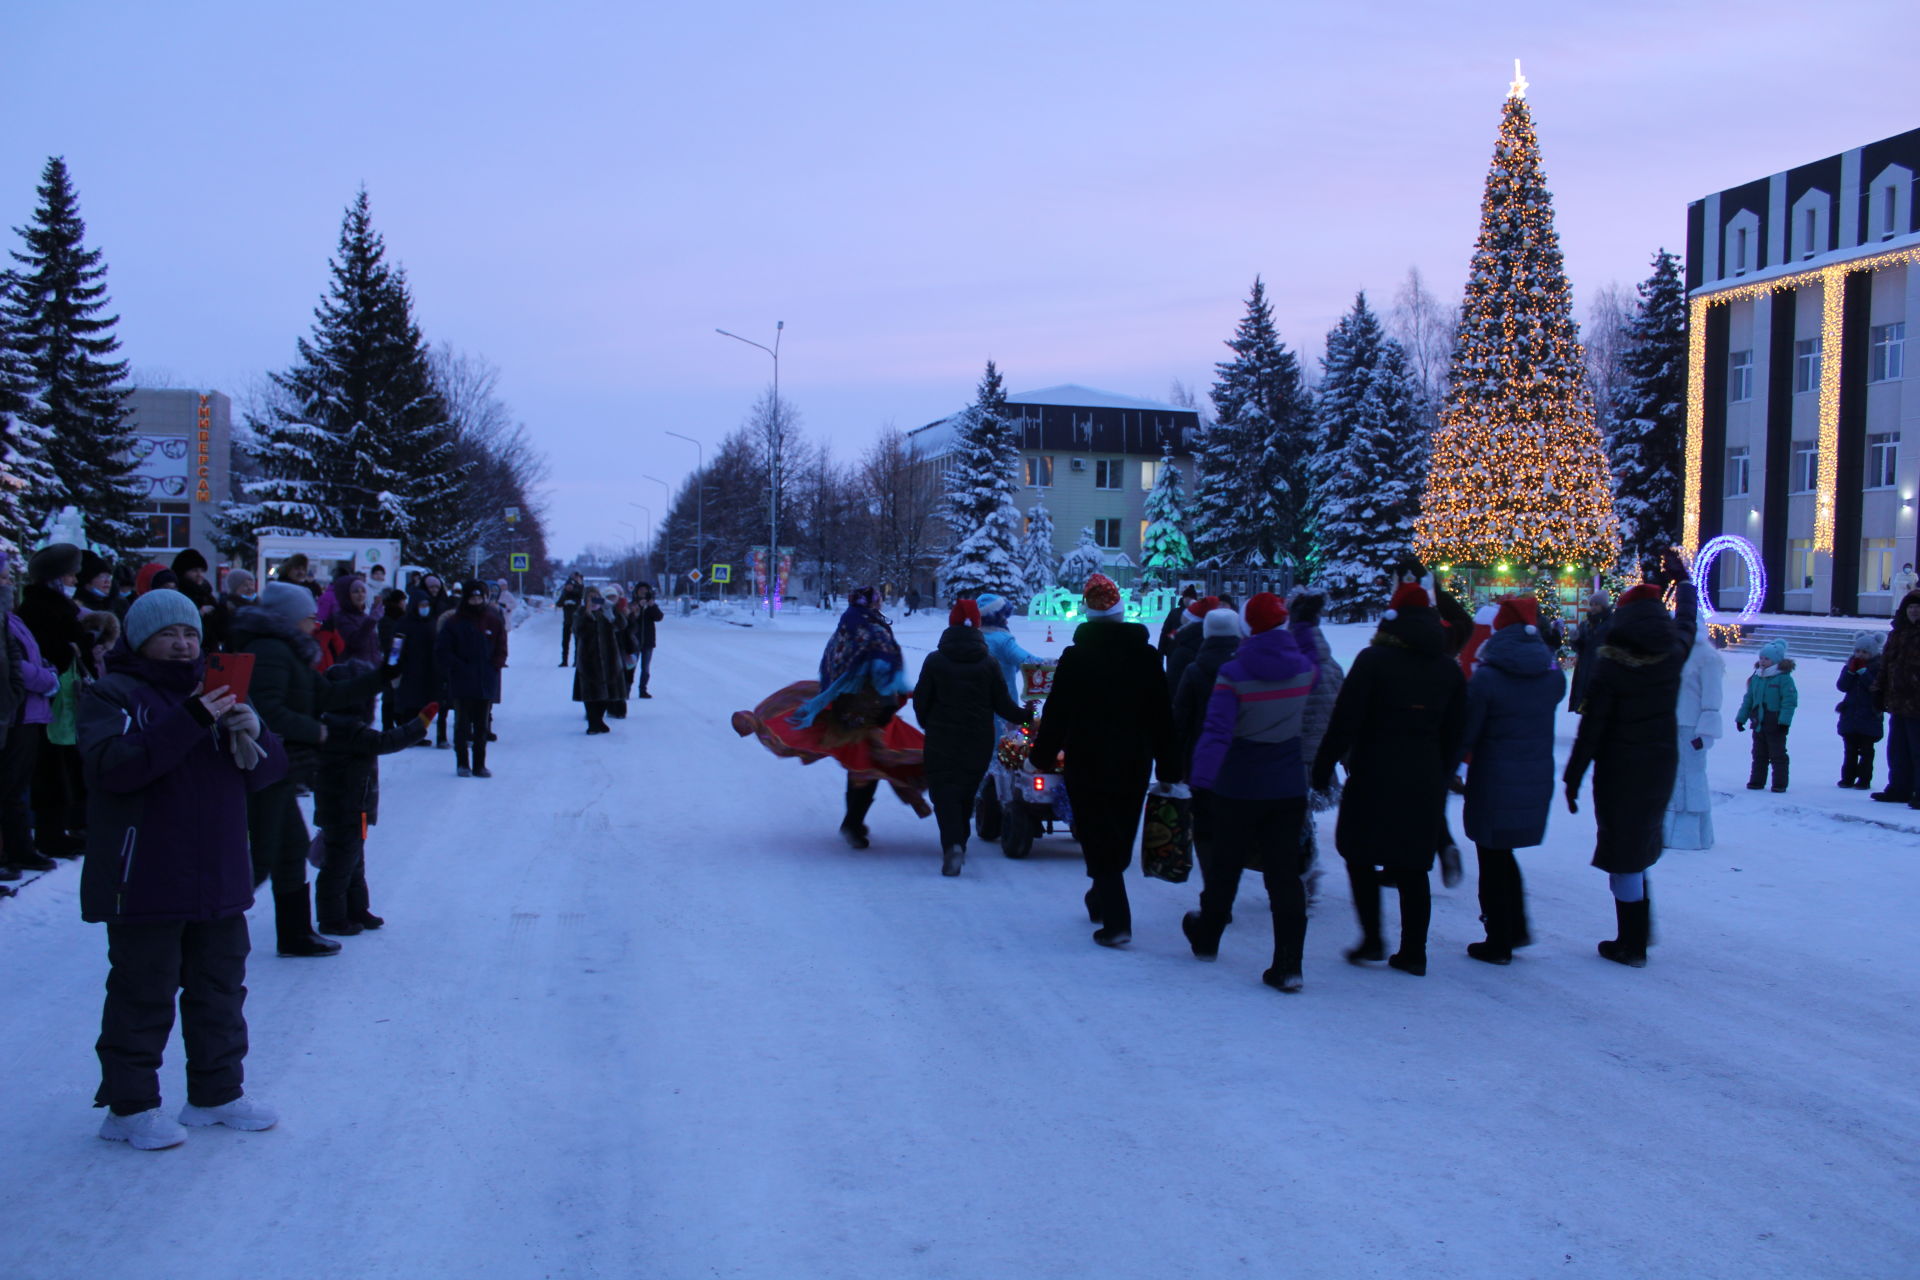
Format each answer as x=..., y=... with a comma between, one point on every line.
x=1078, y=464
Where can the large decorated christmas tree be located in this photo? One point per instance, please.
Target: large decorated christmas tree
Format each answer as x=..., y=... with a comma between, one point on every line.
x=1519, y=481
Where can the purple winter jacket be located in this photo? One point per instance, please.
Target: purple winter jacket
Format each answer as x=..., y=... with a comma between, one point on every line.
x=38, y=675
x=166, y=803
x=1249, y=745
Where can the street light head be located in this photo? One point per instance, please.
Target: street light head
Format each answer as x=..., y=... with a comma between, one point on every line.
x=779, y=324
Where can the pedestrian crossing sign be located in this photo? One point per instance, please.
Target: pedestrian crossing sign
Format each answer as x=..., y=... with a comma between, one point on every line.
x=723, y=573
x=517, y=562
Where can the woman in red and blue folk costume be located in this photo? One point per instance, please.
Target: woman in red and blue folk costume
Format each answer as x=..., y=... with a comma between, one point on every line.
x=848, y=715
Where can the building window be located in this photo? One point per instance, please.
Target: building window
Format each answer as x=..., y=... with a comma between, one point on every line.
x=1799, y=564
x=169, y=526
x=1106, y=534
x=1739, y=472
x=1806, y=365
x=1888, y=352
x=1150, y=474
x=1876, y=564
x=1733, y=573
x=1040, y=472
x=1806, y=466
x=1809, y=251
x=1740, y=376
x=1883, y=454
x=1740, y=251
x=1106, y=473
x=1887, y=213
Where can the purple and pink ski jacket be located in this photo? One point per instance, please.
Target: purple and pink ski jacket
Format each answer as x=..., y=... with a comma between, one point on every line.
x=1249, y=745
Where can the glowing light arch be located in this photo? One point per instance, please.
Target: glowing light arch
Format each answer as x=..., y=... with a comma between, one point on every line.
x=1756, y=576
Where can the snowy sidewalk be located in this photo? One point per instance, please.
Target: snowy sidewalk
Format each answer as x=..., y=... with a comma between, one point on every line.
x=638, y=1012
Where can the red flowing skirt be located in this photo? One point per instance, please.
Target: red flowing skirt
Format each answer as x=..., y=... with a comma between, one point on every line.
x=892, y=753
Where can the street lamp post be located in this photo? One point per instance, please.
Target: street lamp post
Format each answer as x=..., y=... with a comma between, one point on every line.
x=699, y=504
x=633, y=539
x=647, y=554
x=666, y=497
x=773, y=504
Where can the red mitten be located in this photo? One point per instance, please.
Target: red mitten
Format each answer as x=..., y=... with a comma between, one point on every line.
x=429, y=713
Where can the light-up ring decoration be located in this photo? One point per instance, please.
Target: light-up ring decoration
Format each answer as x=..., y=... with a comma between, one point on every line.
x=1756, y=576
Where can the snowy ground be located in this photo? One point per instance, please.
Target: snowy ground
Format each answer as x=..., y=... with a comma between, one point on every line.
x=639, y=1012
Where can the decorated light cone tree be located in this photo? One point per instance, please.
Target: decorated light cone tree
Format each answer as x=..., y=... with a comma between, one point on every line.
x=1519, y=483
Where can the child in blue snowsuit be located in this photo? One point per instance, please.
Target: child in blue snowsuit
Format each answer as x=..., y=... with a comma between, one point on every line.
x=1769, y=706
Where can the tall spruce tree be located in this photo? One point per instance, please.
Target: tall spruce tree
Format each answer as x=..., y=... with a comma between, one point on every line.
x=1251, y=501
x=359, y=443
x=77, y=413
x=1082, y=562
x=984, y=553
x=1519, y=473
x=23, y=467
x=1041, y=564
x=1164, y=546
x=1370, y=463
x=1649, y=412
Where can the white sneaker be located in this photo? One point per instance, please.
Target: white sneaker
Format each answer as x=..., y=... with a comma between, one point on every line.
x=242, y=1113
x=149, y=1130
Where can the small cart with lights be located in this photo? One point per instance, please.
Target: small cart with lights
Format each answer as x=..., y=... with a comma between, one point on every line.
x=1018, y=804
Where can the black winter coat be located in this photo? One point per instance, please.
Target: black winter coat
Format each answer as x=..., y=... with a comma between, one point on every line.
x=1511, y=702
x=1397, y=726
x=959, y=693
x=348, y=784
x=1630, y=734
x=1109, y=709
x=601, y=675
x=644, y=631
x=1195, y=687
x=55, y=622
x=466, y=651
x=420, y=681
x=1593, y=636
x=1186, y=644
x=287, y=692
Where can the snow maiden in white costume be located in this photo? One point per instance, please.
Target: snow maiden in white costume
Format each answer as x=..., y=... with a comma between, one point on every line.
x=1690, y=811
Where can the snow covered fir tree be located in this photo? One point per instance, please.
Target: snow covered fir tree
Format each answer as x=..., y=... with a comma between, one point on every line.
x=1369, y=463
x=357, y=441
x=1164, y=546
x=1518, y=492
x=74, y=446
x=1038, y=561
x=1250, y=495
x=23, y=468
x=1649, y=412
x=982, y=518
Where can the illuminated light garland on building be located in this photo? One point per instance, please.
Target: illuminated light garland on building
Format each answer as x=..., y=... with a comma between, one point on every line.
x=1519, y=473
x=1832, y=281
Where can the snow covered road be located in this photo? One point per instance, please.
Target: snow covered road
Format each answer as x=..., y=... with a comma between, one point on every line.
x=638, y=1012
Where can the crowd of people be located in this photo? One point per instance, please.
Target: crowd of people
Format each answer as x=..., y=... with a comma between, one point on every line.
x=166, y=731
x=610, y=635
x=1245, y=710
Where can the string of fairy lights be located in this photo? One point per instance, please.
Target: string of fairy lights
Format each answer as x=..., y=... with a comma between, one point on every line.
x=1832, y=282
x=1519, y=474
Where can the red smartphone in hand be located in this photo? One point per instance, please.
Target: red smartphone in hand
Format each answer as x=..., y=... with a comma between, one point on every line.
x=232, y=672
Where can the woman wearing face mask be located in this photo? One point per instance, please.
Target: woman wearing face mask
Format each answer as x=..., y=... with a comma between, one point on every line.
x=420, y=680
x=170, y=767
x=47, y=607
x=466, y=650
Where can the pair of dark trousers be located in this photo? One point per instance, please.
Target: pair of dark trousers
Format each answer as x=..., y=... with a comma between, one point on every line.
x=597, y=713
x=566, y=633
x=953, y=795
x=1856, y=764
x=16, y=790
x=59, y=792
x=1903, y=756
x=204, y=964
x=1503, y=899
x=646, y=668
x=1416, y=906
x=278, y=833
x=343, y=874
x=471, y=723
x=860, y=796
x=1769, y=751
x=1106, y=816
x=1274, y=831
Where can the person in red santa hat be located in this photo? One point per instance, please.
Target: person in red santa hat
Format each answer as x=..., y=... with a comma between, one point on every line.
x=1511, y=700
x=1188, y=639
x=1629, y=734
x=1396, y=727
x=1110, y=712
